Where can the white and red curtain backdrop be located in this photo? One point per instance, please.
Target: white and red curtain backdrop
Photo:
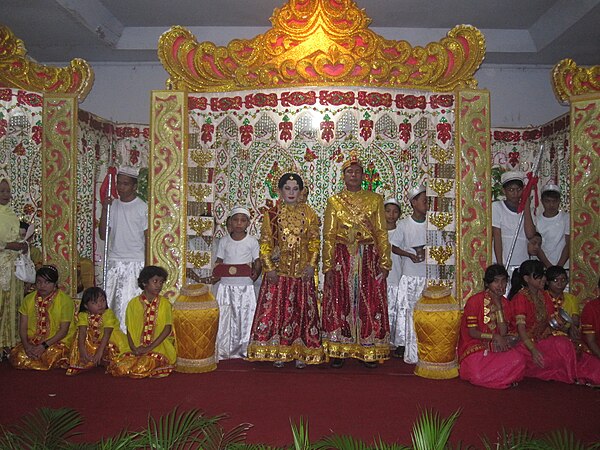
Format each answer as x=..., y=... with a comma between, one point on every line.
x=240, y=142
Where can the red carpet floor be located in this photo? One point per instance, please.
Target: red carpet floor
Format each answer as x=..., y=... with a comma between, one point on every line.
x=365, y=403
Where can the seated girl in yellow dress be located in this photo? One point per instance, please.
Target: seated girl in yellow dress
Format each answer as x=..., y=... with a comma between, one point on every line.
x=44, y=319
x=149, y=323
x=99, y=337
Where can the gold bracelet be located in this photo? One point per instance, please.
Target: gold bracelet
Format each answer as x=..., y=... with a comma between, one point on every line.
x=488, y=336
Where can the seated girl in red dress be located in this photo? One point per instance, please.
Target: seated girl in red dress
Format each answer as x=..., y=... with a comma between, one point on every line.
x=531, y=308
x=588, y=365
x=486, y=356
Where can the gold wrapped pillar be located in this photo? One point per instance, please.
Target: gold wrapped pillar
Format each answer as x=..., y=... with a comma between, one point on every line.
x=59, y=187
x=167, y=204
x=473, y=192
x=585, y=194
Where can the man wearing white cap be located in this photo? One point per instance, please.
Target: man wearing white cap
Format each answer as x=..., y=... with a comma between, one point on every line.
x=356, y=263
x=554, y=227
x=126, y=242
x=505, y=222
x=413, y=230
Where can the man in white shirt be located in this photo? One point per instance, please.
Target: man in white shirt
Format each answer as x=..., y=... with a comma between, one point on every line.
x=126, y=242
x=554, y=226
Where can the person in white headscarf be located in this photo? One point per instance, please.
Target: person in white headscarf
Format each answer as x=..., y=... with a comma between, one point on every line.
x=126, y=242
x=11, y=289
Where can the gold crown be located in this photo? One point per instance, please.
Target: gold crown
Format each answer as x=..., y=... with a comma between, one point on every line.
x=352, y=159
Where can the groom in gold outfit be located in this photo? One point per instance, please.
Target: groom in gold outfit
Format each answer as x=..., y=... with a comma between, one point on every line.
x=356, y=262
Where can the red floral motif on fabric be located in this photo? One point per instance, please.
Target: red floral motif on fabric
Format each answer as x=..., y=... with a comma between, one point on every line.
x=513, y=158
x=298, y=98
x=146, y=132
x=327, y=130
x=309, y=155
x=444, y=132
x=410, y=101
x=5, y=95
x=3, y=127
x=206, y=132
x=27, y=98
x=261, y=100
x=374, y=99
x=95, y=325
x=125, y=132
x=366, y=129
x=532, y=135
x=441, y=101
x=507, y=136
x=226, y=103
x=246, y=132
x=336, y=98
x=197, y=103
x=36, y=134
x=150, y=316
x=285, y=129
x=134, y=156
x=20, y=149
x=42, y=324
x=404, y=131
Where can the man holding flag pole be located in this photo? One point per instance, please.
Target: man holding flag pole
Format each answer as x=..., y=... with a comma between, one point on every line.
x=123, y=227
x=512, y=222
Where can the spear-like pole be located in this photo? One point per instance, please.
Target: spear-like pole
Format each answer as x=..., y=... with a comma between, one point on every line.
x=106, y=235
x=535, y=170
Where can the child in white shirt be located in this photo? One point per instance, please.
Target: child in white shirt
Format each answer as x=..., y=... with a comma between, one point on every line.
x=235, y=294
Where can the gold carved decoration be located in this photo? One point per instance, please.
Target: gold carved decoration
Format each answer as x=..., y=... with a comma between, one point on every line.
x=200, y=192
x=585, y=195
x=321, y=43
x=473, y=191
x=440, y=186
x=201, y=157
x=200, y=224
x=198, y=258
x=167, y=206
x=19, y=71
x=568, y=80
x=441, y=219
x=441, y=253
x=59, y=187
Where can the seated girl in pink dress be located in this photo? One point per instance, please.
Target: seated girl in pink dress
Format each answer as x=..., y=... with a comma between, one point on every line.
x=588, y=365
x=531, y=308
x=485, y=352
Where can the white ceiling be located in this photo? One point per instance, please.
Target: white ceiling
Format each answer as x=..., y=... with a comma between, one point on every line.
x=522, y=32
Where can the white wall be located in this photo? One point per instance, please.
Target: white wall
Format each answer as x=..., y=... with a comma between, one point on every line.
x=520, y=96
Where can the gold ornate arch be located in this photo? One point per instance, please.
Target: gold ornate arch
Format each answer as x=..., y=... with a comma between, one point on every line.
x=569, y=80
x=19, y=71
x=316, y=43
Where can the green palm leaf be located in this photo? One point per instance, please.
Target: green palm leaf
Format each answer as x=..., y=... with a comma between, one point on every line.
x=176, y=430
x=123, y=441
x=215, y=438
x=431, y=432
x=47, y=428
x=340, y=443
x=563, y=440
x=300, y=434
